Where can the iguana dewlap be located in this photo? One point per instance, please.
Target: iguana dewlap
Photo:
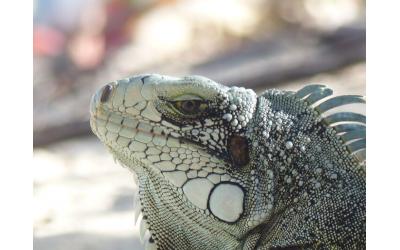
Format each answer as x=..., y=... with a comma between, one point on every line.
x=222, y=168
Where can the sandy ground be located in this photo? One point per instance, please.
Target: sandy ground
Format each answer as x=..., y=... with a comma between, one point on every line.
x=84, y=201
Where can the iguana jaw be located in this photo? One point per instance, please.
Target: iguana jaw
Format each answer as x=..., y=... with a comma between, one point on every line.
x=149, y=176
x=125, y=125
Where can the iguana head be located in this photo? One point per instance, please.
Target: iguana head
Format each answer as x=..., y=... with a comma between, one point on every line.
x=186, y=139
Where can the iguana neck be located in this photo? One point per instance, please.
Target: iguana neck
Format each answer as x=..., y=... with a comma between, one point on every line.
x=295, y=171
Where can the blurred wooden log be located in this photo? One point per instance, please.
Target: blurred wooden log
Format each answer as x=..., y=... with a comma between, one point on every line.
x=60, y=132
x=287, y=58
x=257, y=65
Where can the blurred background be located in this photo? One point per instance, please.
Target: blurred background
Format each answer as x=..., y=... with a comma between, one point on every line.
x=82, y=199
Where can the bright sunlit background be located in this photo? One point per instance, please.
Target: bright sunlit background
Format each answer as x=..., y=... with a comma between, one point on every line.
x=83, y=200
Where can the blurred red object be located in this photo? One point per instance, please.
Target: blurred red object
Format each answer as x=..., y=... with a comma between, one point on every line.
x=86, y=51
x=47, y=41
x=118, y=29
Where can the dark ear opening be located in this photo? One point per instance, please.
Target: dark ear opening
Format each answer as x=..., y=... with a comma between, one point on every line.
x=238, y=147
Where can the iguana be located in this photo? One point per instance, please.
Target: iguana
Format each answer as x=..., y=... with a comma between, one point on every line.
x=222, y=168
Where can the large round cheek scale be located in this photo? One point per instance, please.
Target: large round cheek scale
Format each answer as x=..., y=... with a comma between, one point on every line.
x=226, y=202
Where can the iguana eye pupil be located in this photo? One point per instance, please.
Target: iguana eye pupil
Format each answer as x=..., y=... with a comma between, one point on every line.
x=190, y=107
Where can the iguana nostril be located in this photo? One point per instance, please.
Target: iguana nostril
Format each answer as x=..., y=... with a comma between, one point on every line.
x=106, y=93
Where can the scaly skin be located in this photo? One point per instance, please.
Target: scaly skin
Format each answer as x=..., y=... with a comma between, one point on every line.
x=220, y=168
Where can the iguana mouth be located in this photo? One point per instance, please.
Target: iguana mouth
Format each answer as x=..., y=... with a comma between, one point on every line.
x=127, y=128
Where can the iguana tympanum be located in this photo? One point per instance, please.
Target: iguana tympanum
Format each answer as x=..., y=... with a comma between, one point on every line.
x=222, y=168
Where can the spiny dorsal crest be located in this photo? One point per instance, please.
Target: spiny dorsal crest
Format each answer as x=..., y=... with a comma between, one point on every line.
x=350, y=127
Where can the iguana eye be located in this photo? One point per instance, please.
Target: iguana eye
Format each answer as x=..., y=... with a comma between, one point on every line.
x=190, y=107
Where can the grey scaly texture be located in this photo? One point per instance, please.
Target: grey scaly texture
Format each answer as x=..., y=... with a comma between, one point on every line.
x=220, y=168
